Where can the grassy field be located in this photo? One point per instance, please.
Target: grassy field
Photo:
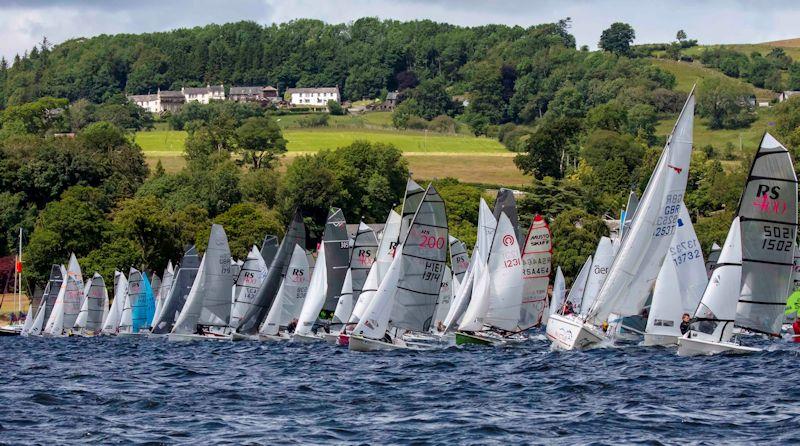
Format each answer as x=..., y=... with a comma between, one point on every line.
x=689, y=73
x=790, y=46
x=430, y=155
x=9, y=304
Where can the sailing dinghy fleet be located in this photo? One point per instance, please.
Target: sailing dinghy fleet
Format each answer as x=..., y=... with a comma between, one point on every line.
x=414, y=286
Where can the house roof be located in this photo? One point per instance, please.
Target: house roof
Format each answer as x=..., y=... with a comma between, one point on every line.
x=170, y=94
x=314, y=90
x=247, y=90
x=391, y=96
x=270, y=88
x=204, y=90
x=142, y=97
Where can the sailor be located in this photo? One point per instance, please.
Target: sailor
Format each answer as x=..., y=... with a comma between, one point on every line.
x=568, y=308
x=686, y=321
x=796, y=330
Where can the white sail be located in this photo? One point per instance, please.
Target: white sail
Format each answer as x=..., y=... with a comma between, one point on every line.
x=717, y=310
x=559, y=290
x=375, y=320
x=249, y=281
x=362, y=257
x=344, y=307
x=487, y=225
x=209, y=301
x=475, y=314
x=164, y=289
x=458, y=258
x=38, y=323
x=601, y=263
x=67, y=307
x=576, y=292
x=443, y=302
x=292, y=293
x=768, y=217
x=95, y=305
x=112, y=321
x=411, y=200
x=315, y=297
x=29, y=317
x=386, y=250
x=683, y=269
x=182, y=282
x=126, y=316
x=636, y=266
x=537, y=254
x=505, y=278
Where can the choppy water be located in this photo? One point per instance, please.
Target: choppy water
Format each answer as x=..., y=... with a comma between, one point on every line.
x=105, y=391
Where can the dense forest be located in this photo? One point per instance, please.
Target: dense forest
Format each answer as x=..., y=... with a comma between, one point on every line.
x=582, y=122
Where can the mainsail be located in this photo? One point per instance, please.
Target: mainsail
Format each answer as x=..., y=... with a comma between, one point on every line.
x=364, y=253
x=411, y=200
x=249, y=281
x=537, y=254
x=505, y=278
x=635, y=268
x=315, y=296
x=48, y=301
x=505, y=202
x=768, y=216
x=344, y=307
x=578, y=288
x=337, y=256
x=295, y=235
x=95, y=305
x=717, y=310
x=459, y=260
x=209, y=302
x=292, y=293
x=559, y=290
x=443, y=302
x=713, y=257
x=601, y=263
x=112, y=321
x=141, y=299
x=179, y=291
x=269, y=249
x=164, y=289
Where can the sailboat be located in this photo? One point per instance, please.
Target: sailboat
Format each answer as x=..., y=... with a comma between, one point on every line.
x=679, y=286
x=289, y=301
x=537, y=253
x=256, y=313
x=48, y=301
x=713, y=257
x=139, y=306
x=362, y=257
x=406, y=298
x=164, y=288
x=443, y=302
x=68, y=303
x=250, y=279
x=179, y=290
x=207, y=310
x=644, y=246
x=269, y=248
x=383, y=260
x=494, y=313
x=94, y=309
x=112, y=322
x=713, y=329
x=601, y=262
x=333, y=259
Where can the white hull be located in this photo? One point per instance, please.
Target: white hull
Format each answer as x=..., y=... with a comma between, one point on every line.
x=181, y=337
x=697, y=347
x=331, y=338
x=571, y=333
x=306, y=338
x=243, y=337
x=359, y=344
x=652, y=340
x=282, y=336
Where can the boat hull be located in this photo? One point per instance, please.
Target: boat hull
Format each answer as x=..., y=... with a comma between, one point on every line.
x=243, y=337
x=471, y=338
x=331, y=338
x=359, y=344
x=571, y=333
x=297, y=337
x=343, y=340
x=182, y=337
x=701, y=347
x=10, y=331
x=282, y=336
x=654, y=340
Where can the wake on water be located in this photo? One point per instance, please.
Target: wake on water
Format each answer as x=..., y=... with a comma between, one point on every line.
x=136, y=390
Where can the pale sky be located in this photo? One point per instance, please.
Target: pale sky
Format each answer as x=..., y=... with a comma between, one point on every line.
x=24, y=22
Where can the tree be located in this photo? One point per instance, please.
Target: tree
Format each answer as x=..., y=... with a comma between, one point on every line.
x=260, y=142
x=245, y=224
x=680, y=36
x=117, y=255
x=617, y=38
x=335, y=108
x=575, y=234
x=148, y=223
x=260, y=186
x=548, y=147
x=725, y=103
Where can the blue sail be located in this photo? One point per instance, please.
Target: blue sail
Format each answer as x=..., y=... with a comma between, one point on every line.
x=143, y=302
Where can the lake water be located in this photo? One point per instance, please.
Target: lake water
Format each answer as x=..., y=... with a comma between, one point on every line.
x=106, y=391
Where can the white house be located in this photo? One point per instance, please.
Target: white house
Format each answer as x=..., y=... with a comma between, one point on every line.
x=786, y=95
x=160, y=102
x=204, y=94
x=313, y=97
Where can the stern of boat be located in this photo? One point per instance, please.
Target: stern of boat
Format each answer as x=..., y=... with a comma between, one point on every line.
x=571, y=333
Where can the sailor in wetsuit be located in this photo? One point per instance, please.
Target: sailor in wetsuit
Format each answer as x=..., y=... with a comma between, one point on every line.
x=686, y=321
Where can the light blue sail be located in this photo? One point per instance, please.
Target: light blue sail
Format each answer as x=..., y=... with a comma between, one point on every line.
x=143, y=302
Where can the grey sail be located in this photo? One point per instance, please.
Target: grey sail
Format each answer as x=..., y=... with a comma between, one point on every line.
x=630, y=213
x=505, y=202
x=459, y=260
x=57, y=274
x=411, y=200
x=713, y=257
x=269, y=249
x=337, y=256
x=295, y=235
x=424, y=255
x=365, y=250
x=181, y=285
x=93, y=309
x=768, y=216
x=209, y=302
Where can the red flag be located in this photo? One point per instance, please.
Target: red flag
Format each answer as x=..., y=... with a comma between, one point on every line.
x=19, y=267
